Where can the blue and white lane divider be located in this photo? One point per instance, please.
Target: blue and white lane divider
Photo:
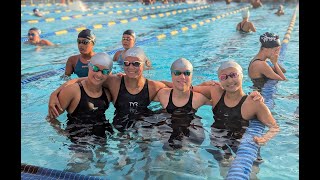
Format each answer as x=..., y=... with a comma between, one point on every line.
x=247, y=152
x=36, y=172
x=146, y=41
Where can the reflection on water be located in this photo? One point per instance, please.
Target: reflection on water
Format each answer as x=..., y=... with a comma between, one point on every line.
x=150, y=146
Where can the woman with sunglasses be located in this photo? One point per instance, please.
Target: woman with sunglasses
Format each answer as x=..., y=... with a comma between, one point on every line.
x=128, y=41
x=131, y=93
x=78, y=64
x=87, y=101
x=180, y=97
x=232, y=110
x=259, y=70
x=35, y=39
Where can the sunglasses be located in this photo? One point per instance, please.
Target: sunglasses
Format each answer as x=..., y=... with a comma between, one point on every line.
x=85, y=41
x=178, y=73
x=135, y=63
x=96, y=69
x=31, y=34
x=128, y=39
x=224, y=77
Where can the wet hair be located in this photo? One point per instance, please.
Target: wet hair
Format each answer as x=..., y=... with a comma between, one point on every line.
x=228, y=64
x=131, y=33
x=102, y=59
x=88, y=34
x=136, y=52
x=35, y=29
x=181, y=63
x=269, y=40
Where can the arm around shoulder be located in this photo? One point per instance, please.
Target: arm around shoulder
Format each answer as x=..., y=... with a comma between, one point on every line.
x=264, y=115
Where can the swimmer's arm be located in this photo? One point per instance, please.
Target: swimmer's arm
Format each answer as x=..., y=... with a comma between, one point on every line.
x=252, y=27
x=205, y=90
x=54, y=101
x=282, y=68
x=167, y=84
x=238, y=27
x=48, y=43
x=69, y=69
x=265, y=116
x=154, y=88
x=116, y=56
x=56, y=124
x=266, y=70
x=158, y=95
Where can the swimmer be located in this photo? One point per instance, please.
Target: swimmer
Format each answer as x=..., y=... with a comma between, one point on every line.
x=256, y=3
x=233, y=110
x=87, y=101
x=35, y=39
x=180, y=97
x=280, y=10
x=259, y=71
x=36, y=12
x=78, y=64
x=245, y=25
x=128, y=41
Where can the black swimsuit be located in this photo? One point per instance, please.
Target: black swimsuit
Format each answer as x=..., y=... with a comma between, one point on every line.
x=241, y=27
x=129, y=106
x=258, y=82
x=229, y=125
x=171, y=108
x=89, y=116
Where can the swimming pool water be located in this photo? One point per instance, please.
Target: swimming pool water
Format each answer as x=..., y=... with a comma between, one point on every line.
x=205, y=46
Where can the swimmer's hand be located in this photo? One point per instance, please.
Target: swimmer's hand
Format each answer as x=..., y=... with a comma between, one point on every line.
x=261, y=141
x=53, y=105
x=120, y=74
x=256, y=96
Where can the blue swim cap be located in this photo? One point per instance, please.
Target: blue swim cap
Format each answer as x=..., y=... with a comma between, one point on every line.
x=88, y=34
x=269, y=40
x=35, y=9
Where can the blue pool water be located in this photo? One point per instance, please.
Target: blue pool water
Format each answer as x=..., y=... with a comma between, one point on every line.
x=144, y=155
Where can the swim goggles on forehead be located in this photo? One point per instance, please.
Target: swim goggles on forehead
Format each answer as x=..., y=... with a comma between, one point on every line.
x=84, y=41
x=224, y=77
x=96, y=69
x=135, y=63
x=178, y=73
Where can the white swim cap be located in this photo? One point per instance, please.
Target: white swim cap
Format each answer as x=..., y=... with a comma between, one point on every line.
x=227, y=64
x=136, y=52
x=181, y=63
x=102, y=59
x=245, y=13
x=280, y=7
x=35, y=29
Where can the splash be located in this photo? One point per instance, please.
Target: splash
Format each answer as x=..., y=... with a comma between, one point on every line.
x=78, y=6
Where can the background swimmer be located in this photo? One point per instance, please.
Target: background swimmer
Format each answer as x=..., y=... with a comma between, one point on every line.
x=128, y=41
x=36, y=12
x=35, y=39
x=245, y=25
x=259, y=70
x=78, y=64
